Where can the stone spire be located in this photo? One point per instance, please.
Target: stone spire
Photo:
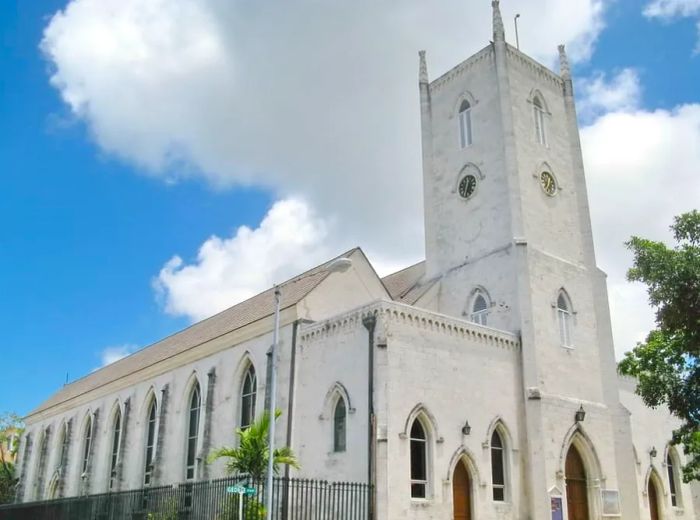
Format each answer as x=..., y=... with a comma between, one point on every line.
x=499, y=32
x=423, y=68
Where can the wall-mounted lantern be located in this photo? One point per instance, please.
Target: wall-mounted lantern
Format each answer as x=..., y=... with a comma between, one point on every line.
x=466, y=429
x=580, y=415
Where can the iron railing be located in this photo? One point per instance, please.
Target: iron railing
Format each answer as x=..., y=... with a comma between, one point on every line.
x=293, y=499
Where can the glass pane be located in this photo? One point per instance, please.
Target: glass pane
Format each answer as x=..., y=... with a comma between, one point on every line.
x=496, y=440
x=417, y=431
x=418, y=460
x=499, y=494
x=418, y=490
x=339, y=426
x=498, y=477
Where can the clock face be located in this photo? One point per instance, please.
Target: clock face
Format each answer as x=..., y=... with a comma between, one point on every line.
x=467, y=186
x=548, y=183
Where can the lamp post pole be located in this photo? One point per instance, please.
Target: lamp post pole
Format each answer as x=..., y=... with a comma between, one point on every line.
x=273, y=406
x=517, y=36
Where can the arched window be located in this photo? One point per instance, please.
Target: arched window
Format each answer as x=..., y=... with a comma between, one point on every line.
x=41, y=466
x=193, y=432
x=564, y=317
x=339, y=425
x=248, y=397
x=465, y=124
x=498, y=467
x=540, y=124
x=480, y=308
x=419, y=460
x=63, y=447
x=116, y=442
x=150, y=442
x=673, y=478
x=87, y=445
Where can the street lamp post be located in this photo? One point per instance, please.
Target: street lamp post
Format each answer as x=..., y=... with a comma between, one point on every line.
x=337, y=266
x=517, y=36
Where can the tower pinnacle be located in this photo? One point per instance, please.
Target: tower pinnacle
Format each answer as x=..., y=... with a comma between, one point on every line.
x=499, y=33
x=564, y=68
x=423, y=68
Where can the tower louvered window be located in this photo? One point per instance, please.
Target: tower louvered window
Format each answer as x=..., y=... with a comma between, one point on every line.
x=465, y=124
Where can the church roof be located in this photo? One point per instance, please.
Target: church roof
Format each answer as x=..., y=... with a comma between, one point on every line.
x=407, y=285
x=240, y=315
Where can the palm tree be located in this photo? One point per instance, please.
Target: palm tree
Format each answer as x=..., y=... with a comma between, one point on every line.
x=252, y=454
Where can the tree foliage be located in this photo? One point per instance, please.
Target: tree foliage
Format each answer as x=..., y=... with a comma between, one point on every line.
x=11, y=428
x=252, y=454
x=667, y=364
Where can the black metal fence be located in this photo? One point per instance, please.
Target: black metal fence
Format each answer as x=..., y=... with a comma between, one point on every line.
x=222, y=499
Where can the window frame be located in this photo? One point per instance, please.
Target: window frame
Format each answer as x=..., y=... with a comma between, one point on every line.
x=466, y=126
x=338, y=446
x=501, y=450
x=674, y=490
x=539, y=113
x=87, y=446
x=565, y=320
x=192, y=433
x=150, y=441
x=425, y=443
x=480, y=317
x=115, y=452
x=243, y=421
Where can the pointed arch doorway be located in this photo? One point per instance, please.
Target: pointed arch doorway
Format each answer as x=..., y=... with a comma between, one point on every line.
x=653, y=494
x=576, y=486
x=461, y=492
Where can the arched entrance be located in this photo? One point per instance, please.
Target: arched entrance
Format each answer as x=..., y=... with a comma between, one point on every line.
x=653, y=494
x=576, y=486
x=461, y=492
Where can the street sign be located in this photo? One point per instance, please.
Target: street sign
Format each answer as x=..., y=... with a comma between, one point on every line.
x=241, y=490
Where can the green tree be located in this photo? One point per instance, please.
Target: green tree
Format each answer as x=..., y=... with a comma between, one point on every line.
x=11, y=428
x=251, y=456
x=666, y=364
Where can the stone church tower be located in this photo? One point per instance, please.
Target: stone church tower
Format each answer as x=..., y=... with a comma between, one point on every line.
x=508, y=234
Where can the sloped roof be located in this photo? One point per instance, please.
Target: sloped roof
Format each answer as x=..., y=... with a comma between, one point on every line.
x=244, y=313
x=407, y=285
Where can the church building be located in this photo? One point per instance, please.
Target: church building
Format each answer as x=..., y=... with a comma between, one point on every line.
x=479, y=384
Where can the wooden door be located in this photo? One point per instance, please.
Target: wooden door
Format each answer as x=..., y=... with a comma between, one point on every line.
x=653, y=500
x=461, y=493
x=576, y=486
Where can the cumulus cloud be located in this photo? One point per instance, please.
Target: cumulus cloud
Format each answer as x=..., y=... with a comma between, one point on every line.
x=671, y=9
x=112, y=354
x=302, y=97
x=642, y=171
x=601, y=93
x=228, y=270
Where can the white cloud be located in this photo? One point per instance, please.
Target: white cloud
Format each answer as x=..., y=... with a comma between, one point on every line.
x=600, y=94
x=642, y=171
x=672, y=8
x=289, y=239
x=303, y=97
x=112, y=354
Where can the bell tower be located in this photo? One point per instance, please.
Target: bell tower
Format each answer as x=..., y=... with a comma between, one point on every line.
x=508, y=237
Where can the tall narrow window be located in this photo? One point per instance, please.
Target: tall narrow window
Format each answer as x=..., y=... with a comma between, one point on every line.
x=248, y=396
x=498, y=473
x=193, y=432
x=465, y=124
x=540, y=128
x=339, y=425
x=87, y=445
x=41, y=466
x=419, y=461
x=116, y=442
x=480, y=309
x=672, y=479
x=150, y=443
x=564, y=318
x=63, y=447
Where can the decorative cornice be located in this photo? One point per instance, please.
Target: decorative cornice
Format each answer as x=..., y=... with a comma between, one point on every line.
x=393, y=312
x=527, y=62
x=454, y=73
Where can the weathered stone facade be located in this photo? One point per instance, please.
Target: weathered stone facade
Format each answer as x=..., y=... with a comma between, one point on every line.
x=406, y=348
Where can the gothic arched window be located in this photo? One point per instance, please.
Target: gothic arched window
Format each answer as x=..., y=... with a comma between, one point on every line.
x=150, y=442
x=419, y=460
x=87, y=445
x=63, y=447
x=41, y=466
x=116, y=443
x=564, y=317
x=339, y=425
x=465, y=124
x=540, y=123
x=195, y=403
x=672, y=468
x=480, y=308
x=498, y=467
x=248, y=398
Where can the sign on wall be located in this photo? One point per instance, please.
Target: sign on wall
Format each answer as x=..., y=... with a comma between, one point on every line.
x=611, y=502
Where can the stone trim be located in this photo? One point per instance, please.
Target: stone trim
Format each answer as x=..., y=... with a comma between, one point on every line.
x=449, y=76
x=26, y=455
x=160, y=437
x=208, y=413
x=63, y=463
x=119, y=478
x=538, y=69
x=41, y=463
x=411, y=316
x=91, y=453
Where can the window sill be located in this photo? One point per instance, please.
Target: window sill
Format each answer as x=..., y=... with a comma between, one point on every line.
x=420, y=503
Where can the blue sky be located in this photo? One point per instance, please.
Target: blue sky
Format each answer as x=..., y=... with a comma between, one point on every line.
x=94, y=210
